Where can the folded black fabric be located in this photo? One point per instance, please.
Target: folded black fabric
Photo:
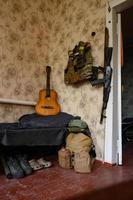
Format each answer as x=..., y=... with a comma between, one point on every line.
x=35, y=130
x=33, y=137
x=11, y=126
x=53, y=121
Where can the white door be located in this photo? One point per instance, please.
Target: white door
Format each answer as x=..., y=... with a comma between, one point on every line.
x=113, y=128
x=118, y=90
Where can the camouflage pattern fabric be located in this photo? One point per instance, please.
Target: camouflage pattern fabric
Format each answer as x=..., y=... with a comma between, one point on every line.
x=78, y=125
x=80, y=64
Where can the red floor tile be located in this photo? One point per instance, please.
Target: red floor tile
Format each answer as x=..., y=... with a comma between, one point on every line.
x=56, y=183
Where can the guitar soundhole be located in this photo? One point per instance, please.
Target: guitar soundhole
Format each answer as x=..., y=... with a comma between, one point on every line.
x=47, y=97
x=47, y=107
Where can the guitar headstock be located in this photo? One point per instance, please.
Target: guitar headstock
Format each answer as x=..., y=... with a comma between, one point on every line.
x=48, y=69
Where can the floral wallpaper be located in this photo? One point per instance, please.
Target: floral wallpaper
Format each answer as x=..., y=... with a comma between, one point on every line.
x=34, y=34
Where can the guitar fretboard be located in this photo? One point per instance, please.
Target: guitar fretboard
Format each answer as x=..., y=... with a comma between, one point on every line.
x=48, y=70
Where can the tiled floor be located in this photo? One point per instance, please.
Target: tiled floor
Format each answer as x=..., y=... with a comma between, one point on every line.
x=56, y=183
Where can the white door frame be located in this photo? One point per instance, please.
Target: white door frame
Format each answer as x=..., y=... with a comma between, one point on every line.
x=119, y=104
x=111, y=148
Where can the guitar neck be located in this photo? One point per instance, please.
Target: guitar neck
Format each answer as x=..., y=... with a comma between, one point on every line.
x=48, y=69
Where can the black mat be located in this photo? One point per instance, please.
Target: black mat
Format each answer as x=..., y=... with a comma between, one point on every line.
x=35, y=130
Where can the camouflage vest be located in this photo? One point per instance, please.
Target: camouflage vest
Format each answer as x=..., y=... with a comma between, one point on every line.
x=80, y=64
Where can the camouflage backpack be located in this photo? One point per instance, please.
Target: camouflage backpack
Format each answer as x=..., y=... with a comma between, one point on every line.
x=80, y=63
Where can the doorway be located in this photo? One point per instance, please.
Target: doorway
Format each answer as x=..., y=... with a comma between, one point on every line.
x=127, y=80
x=113, y=126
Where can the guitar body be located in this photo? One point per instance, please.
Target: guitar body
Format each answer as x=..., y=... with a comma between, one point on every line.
x=47, y=105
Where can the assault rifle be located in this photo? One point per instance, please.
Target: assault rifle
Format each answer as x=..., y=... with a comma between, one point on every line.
x=106, y=80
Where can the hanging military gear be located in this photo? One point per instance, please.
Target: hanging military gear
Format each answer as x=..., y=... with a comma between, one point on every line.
x=80, y=67
x=80, y=64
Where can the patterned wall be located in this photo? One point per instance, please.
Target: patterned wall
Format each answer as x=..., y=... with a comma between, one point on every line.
x=34, y=34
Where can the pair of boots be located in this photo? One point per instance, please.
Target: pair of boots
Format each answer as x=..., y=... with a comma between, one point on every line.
x=16, y=166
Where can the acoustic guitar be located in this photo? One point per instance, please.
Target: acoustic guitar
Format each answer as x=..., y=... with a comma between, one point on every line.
x=47, y=103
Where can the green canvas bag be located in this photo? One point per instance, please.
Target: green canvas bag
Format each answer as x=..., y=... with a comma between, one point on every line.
x=78, y=125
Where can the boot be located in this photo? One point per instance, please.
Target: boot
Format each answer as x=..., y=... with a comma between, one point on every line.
x=14, y=167
x=24, y=164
